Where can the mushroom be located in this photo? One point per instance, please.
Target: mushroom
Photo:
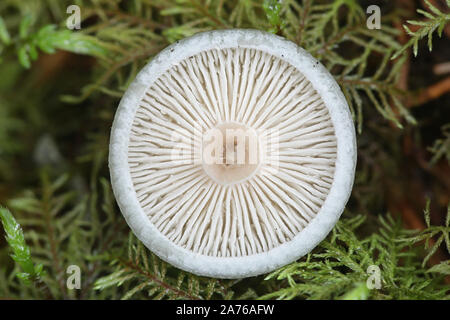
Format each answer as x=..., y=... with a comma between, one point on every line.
x=232, y=153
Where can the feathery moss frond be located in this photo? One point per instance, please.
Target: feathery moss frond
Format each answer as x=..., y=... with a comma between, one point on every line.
x=20, y=251
x=158, y=280
x=437, y=21
x=433, y=236
x=441, y=147
x=343, y=260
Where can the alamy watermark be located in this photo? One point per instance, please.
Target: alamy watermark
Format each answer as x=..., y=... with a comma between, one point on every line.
x=74, y=20
x=228, y=144
x=374, y=20
x=374, y=279
x=74, y=278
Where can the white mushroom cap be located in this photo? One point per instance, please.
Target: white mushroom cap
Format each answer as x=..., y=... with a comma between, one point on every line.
x=231, y=218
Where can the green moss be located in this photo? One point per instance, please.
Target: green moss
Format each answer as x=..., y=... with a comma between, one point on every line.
x=65, y=205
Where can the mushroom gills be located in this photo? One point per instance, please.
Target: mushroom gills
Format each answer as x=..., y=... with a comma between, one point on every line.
x=259, y=188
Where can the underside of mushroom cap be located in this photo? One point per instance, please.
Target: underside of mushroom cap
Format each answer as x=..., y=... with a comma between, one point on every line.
x=232, y=153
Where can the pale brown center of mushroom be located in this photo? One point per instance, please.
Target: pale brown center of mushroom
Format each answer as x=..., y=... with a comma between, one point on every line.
x=230, y=153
